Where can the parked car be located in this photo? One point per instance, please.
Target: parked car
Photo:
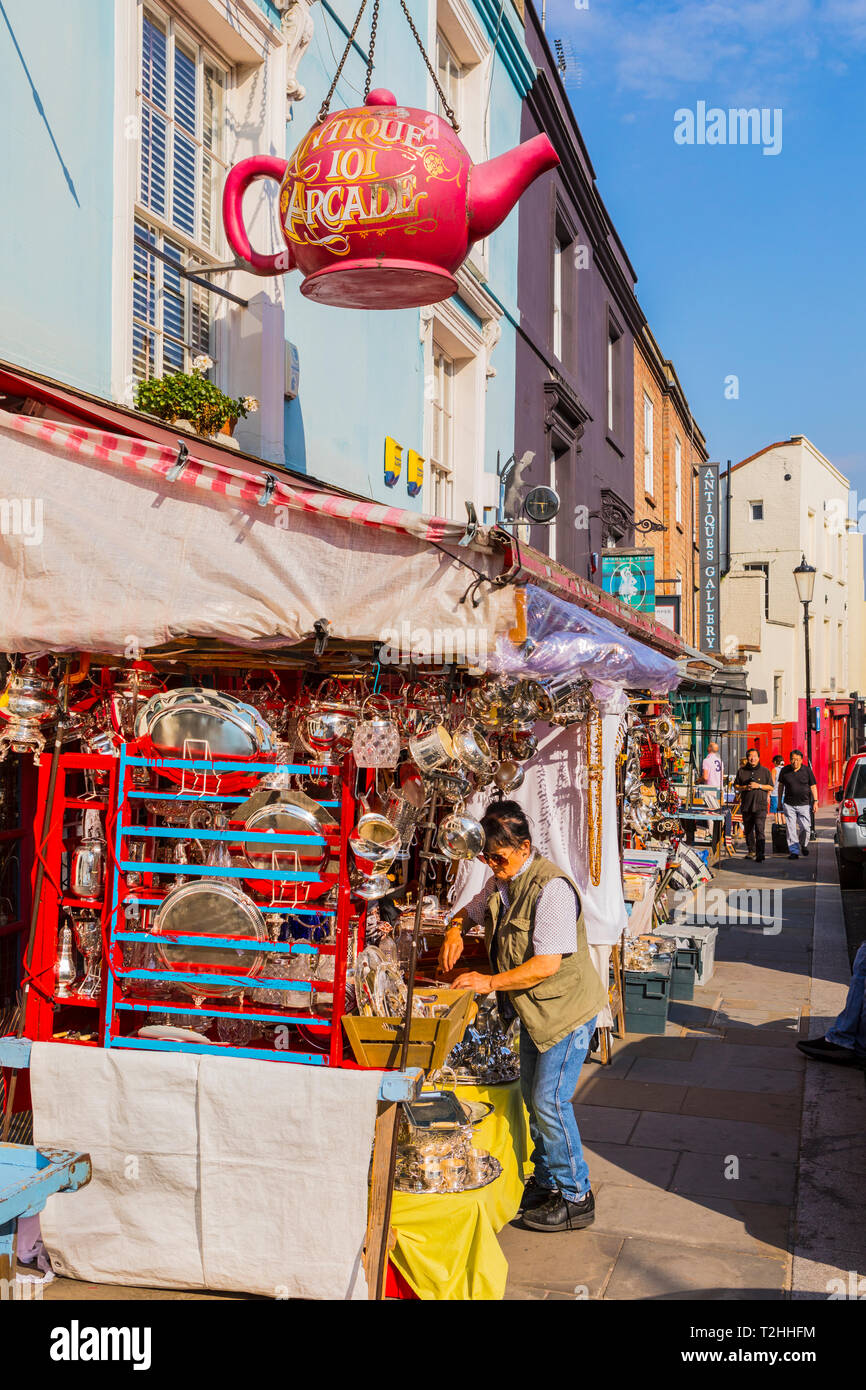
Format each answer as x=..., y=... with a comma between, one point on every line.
x=850, y=837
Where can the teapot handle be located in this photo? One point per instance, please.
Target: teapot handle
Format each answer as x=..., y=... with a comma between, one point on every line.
x=238, y=180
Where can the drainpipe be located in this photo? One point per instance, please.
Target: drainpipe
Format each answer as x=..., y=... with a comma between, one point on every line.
x=727, y=566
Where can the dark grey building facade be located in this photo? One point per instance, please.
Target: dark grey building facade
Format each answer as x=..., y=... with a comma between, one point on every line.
x=575, y=351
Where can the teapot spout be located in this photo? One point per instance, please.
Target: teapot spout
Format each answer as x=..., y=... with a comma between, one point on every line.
x=494, y=187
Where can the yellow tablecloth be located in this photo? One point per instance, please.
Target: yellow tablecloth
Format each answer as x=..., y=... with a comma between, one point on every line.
x=446, y=1242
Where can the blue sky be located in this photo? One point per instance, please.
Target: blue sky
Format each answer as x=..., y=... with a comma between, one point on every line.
x=748, y=264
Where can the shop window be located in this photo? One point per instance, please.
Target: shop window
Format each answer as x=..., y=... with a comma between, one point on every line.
x=181, y=98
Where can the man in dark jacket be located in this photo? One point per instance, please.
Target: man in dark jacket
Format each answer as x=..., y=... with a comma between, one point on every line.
x=754, y=784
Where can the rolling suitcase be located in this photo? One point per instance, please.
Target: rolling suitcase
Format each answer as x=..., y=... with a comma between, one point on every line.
x=780, y=839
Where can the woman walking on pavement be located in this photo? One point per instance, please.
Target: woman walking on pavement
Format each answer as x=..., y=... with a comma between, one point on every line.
x=541, y=970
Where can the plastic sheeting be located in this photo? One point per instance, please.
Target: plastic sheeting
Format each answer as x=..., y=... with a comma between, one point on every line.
x=570, y=642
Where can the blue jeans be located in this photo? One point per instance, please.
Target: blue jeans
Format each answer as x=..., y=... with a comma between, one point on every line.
x=798, y=825
x=548, y=1081
x=849, y=1030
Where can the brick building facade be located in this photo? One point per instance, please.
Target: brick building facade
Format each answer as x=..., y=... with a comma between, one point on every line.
x=669, y=449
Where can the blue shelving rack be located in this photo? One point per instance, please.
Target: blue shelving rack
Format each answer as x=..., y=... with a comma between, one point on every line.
x=125, y=1002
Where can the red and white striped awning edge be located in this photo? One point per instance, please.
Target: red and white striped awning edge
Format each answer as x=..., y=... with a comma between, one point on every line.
x=123, y=451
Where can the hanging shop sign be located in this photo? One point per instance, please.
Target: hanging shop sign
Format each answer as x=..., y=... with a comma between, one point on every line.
x=629, y=575
x=710, y=549
x=379, y=204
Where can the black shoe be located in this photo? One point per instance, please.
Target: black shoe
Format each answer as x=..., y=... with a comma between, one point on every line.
x=534, y=1195
x=759, y=858
x=558, y=1214
x=793, y=856
x=820, y=1050
x=804, y=851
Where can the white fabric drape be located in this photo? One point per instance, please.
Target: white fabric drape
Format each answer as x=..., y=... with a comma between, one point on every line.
x=554, y=796
x=208, y=1172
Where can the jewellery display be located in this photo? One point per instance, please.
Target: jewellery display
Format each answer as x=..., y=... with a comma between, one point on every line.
x=595, y=778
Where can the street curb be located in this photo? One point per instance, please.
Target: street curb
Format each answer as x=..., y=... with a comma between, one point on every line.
x=830, y=1213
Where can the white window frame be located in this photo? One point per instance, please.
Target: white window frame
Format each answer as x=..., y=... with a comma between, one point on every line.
x=753, y=507
x=442, y=411
x=160, y=225
x=556, y=305
x=450, y=332
x=648, y=444
x=678, y=479
x=611, y=363
x=242, y=39
x=778, y=691
x=456, y=24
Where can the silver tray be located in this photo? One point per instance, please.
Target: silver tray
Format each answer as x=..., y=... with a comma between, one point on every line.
x=473, y=1080
x=494, y=1169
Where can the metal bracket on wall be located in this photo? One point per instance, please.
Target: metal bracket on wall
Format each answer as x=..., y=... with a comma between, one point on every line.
x=195, y=279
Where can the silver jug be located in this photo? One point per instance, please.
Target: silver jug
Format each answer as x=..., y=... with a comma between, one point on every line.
x=87, y=866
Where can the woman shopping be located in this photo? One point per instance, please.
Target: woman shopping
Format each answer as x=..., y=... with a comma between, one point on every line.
x=541, y=970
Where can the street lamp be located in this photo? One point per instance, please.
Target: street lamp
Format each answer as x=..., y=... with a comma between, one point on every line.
x=804, y=577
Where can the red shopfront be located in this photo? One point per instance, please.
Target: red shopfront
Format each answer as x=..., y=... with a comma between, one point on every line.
x=830, y=743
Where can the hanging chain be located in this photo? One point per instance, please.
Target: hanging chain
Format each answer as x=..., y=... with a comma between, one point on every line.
x=373, y=25
x=452, y=118
x=323, y=109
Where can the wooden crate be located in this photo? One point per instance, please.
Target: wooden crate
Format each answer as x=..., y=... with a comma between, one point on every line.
x=376, y=1042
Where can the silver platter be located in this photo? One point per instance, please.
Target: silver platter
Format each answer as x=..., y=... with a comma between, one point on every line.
x=210, y=907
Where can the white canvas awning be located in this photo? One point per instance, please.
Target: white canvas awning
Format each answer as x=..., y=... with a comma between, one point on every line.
x=101, y=551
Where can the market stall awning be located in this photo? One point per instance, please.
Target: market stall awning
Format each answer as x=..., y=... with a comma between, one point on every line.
x=549, y=574
x=116, y=544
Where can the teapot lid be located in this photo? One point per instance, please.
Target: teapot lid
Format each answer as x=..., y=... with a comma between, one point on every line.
x=381, y=97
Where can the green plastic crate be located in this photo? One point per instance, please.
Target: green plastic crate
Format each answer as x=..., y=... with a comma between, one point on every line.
x=686, y=961
x=647, y=997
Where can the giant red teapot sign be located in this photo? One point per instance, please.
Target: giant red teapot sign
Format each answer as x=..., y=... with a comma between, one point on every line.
x=380, y=204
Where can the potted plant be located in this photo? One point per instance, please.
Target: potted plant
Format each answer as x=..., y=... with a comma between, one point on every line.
x=189, y=396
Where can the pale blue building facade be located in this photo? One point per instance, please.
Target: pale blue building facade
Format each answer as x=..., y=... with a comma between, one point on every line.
x=122, y=117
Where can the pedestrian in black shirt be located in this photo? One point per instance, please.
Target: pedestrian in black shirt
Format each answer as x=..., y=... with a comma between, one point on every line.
x=798, y=791
x=754, y=784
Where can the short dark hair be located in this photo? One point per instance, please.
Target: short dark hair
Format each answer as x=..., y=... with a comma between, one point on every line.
x=505, y=825
x=798, y=751
x=778, y=758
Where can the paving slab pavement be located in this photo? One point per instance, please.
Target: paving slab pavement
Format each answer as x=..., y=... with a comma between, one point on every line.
x=725, y=1165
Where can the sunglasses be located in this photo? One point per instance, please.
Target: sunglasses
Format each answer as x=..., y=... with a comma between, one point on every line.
x=496, y=860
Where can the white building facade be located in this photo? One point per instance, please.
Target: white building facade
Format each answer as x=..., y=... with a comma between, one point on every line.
x=788, y=502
